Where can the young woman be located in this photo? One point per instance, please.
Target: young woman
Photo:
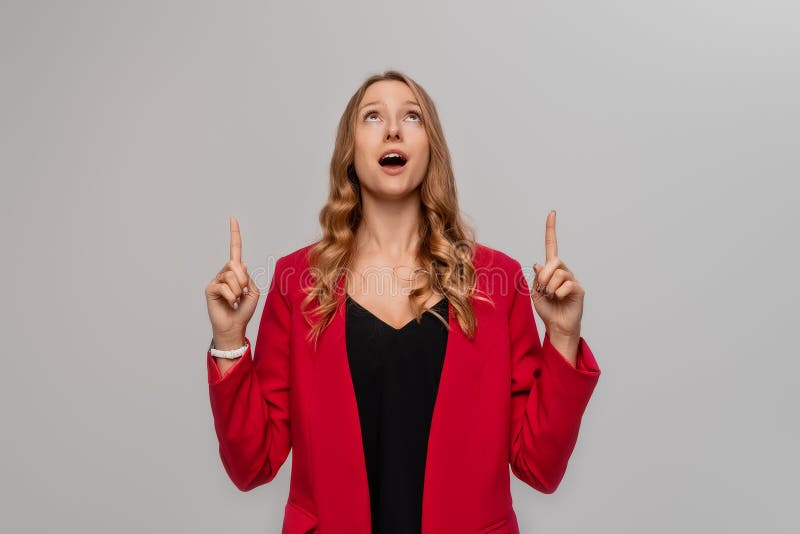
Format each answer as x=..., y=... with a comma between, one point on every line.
x=397, y=357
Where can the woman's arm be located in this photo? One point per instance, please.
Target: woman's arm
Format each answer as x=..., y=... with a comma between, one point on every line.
x=548, y=395
x=250, y=399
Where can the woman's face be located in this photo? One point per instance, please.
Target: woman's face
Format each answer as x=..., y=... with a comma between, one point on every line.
x=389, y=121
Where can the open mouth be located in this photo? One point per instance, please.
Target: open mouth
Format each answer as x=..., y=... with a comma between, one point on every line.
x=393, y=159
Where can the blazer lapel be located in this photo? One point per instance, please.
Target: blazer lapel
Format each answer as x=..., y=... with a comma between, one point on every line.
x=341, y=473
x=462, y=365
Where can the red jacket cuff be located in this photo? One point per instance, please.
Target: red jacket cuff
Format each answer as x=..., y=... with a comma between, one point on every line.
x=216, y=377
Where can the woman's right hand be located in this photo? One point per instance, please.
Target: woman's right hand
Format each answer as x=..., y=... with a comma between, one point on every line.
x=232, y=297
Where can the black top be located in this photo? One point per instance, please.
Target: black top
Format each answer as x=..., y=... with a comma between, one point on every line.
x=396, y=377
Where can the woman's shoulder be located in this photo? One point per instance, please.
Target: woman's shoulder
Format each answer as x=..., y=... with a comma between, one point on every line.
x=297, y=258
x=500, y=275
x=488, y=257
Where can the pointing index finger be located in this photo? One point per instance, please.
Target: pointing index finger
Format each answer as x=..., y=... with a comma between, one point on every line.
x=236, y=240
x=550, y=243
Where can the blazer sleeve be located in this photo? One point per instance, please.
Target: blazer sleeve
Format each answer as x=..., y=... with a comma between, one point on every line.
x=250, y=402
x=548, y=395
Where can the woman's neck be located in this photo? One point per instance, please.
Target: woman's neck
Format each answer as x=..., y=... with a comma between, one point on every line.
x=390, y=229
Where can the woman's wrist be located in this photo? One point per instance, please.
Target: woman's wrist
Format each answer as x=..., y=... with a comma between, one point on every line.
x=223, y=342
x=567, y=345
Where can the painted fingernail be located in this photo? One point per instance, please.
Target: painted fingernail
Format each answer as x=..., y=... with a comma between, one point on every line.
x=235, y=305
x=244, y=290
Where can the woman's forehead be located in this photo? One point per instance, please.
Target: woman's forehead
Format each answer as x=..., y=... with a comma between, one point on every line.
x=386, y=91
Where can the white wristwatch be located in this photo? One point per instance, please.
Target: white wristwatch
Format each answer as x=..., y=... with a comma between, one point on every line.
x=228, y=354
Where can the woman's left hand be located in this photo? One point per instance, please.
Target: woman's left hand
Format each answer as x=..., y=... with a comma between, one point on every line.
x=557, y=296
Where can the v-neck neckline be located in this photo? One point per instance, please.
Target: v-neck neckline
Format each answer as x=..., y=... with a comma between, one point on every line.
x=393, y=328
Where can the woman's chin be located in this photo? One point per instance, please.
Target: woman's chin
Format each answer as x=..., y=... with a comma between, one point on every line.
x=391, y=187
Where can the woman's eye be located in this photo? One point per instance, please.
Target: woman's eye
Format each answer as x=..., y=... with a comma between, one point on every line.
x=374, y=114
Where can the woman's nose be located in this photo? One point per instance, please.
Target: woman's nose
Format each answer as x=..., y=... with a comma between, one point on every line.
x=393, y=132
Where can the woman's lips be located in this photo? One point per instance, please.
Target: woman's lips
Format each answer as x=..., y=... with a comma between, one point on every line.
x=393, y=170
x=392, y=161
x=393, y=165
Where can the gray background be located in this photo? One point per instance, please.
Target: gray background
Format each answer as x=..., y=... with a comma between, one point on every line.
x=664, y=133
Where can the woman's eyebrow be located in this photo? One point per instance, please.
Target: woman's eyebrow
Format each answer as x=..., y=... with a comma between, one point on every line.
x=383, y=104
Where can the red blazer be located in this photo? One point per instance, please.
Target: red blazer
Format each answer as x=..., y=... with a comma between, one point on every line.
x=504, y=398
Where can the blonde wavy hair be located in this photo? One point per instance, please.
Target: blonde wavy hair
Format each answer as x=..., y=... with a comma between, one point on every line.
x=447, y=243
